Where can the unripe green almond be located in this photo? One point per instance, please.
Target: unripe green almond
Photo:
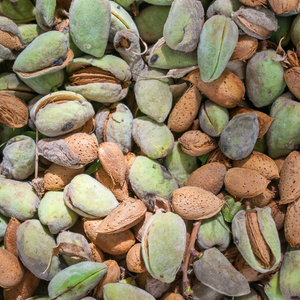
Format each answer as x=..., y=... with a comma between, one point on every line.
x=8, y=133
x=180, y=164
x=150, y=22
x=295, y=31
x=155, y=139
x=76, y=281
x=18, y=157
x=54, y=213
x=89, y=25
x=17, y=199
x=30, y=32
x=284, y=29
x=120, y=291
x=252, y=296
x=148, y=179
x=75, y=239
x=261, y=144
x=35, y=244
x=163, y=245
x=218, y=39
x=238, y=138
x=183, y=26
x=3, y=224
x=201, y=291
x=39, y=298
x=125, y=3
x=264, y=78
x=19, y=11
x=283, y=135
x=45, y=13
x=223, y=7
x=77, y=52
x=89, y=198
x=272, y=288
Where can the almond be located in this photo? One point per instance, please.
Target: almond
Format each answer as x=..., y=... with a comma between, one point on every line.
x=292, y=224
x=279, y=162
x=134, y=260
x=209, y=177
x=96, y=254
x=244, y=183
x=262, y=199
x=283, y=6
x=289, y=183
x=10, y=237
x=218, y=156
x=254, y=2
x=245, y=48
x=129, y=213
x=278, y=213
x=139, y=228
x=194, y=203
x=241, y=265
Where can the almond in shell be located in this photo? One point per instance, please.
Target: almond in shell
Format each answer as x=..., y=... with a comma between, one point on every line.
x=278, y=213
x=259, y=162
x=195, y=143
x=218, y=156
x=245, y=48
x=134, y=259
x=96, y=254
x=292, y=225
x=253, y=2
x=139, y=228
x=10, y=237
x=185, y=110
x=194, y=203
x=289, y=183
x=129, y=213
x=283, y=6
x=262, y=199
x=209, y=177
x=245, y=183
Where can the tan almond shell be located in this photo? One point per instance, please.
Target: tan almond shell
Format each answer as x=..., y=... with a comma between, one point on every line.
x=129, y=213
x=10, y=236
x=114, y=244
x=24, y=289
x=278, y=213
x=57, y=177
x=129, y=160
x=283, y=6
x=194, y=203
x=113, y=161
x=185, y=110
x=289, y=183
x=171, y=296
x=218, y=156
x=226, y=91
x=84, y=145
x=139, y=228
x=11, y=269
x=241, y=265
x=292, y=79
x=279, y=162
x=262, y=199
x=96, y=254
x=259, y=162
x=134, y=259
x=120, y=192
x=245, y=183
x=209, y=177
x=245, y=48
x=112, y=275
x=195, y=143
x=254, y=2
x=13, y=111
x=292, y=224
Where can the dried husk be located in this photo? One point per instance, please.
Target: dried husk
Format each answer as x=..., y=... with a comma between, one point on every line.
x=129, y=213
x=292, y=225
x=283, y=6
x=10, y=237
x=185, y=110
x=194, y=203
x=57, y=177
x=226, y=91
x=289, y=183
x=254, y=2
x=209, y=177
x=278, y=213
x=245, y=183
x=113, y=161
x=292, y=79
x=13, y=111
x=245, y=48
x=134, y=260
x=195, y=143
x=264, y=120
x=259, y=162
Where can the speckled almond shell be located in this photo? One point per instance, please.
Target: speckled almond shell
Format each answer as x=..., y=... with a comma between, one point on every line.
x=134, y=259
x=226, y=91
x=185, y=110
x=278, y=213
x=245, y=183
x=292, y=225
x=262, y=199
x=291, y=77
x=194, y=203
x=259, y=162
x=209, y=177
x=10, y=237
x=195, y=143
x=245, y=48
x=289, y=183
x=129, y=213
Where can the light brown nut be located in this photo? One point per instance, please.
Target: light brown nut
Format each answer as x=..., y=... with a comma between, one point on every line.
x=11, y=269
x=226, y=91
x=171, y=296
x=253, y=2
x=283, y=6
x=114, y=244
x=141, y=279
x=96, y=254
x=194, y=203
x=24, y=289
x=245, y=48
x=112, y=275
x=218, y=156
x=113, y=161
x=244, y=183
x=57, y=177
x=139, y=228
x=241, y=265
x=289, y=183
x=120, y=192
x=259, y=162
x=278, y=213
x=129, y=213
x=195, y=143
x=209, y=177
x=185, y=110
x=262, y=199
x=10, y=237
x=129, y=160
x=279, y=162
x=292, y=224
x=134, y=260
